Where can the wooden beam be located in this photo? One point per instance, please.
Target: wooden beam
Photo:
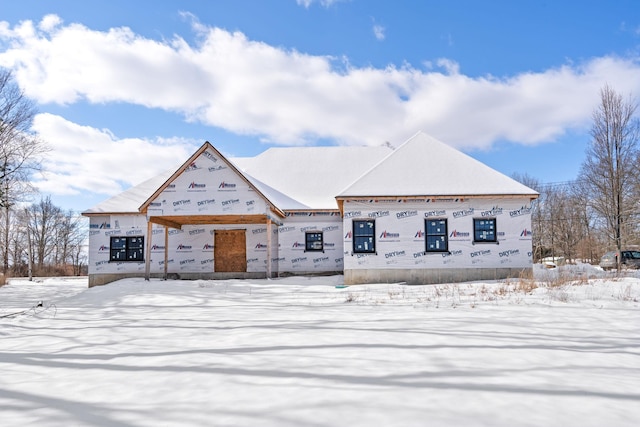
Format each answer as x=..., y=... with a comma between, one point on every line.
x=269, y=254
x=163, y=220
x=147, y=259
x=341, y=206
x=443, y=197
x=166, y=251
x=175, y=221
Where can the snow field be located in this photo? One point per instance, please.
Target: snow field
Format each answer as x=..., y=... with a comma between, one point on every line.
x=301, y=352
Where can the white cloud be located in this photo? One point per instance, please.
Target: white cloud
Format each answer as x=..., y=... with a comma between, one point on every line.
x=49, y=22
x=288, y=97
x=85, y=159
x=378, y=32
x=451, y=67
x=324, y=3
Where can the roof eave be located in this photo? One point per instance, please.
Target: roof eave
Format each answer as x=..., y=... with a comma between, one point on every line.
x=342, y=198
x=89, y=214
x=438, y=196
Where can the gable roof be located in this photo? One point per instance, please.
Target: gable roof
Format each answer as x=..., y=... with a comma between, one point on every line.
x=207, y=146
x=424, y=166
x=137, y=198
x=312, y=176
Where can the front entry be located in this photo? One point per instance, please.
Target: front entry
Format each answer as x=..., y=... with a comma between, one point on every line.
x=230, y=251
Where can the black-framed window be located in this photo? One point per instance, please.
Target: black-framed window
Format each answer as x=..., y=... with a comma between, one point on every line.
x=364, y=236
x=313, y=241
x=484, y=230
x=436, y=237
x=129, y=248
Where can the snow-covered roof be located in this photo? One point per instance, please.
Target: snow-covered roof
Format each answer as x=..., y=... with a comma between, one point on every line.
x=312, y=176
x=129, y=201
x=296, y=178
x=424, y=166
x=276, y=197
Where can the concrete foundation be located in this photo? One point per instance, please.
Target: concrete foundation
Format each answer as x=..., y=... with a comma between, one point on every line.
x=431, y=276
x=103, y=279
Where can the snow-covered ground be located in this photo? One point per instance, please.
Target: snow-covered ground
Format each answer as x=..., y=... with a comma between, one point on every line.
x=305, y=351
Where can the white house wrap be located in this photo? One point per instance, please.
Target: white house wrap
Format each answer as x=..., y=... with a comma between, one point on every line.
x=423, y=213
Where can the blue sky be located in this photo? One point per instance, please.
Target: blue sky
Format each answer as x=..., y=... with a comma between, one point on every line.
x=128, y=89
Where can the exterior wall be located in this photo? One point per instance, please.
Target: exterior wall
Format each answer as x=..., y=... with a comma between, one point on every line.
x=101, y=228
x=208, y=187
x=190, y=250
x=293, y=259
x=400, y=241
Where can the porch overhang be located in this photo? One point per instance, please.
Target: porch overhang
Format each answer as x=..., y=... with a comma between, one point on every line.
x=177, y=221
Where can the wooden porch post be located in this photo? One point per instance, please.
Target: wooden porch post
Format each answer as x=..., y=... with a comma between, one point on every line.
x=166, y=250
x=147, y=259
x=269, y=256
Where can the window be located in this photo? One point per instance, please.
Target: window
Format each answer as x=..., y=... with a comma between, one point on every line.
x=436, y=235
x=313, y=241
x=364, y=237
x=127, y=248
x=484, y=230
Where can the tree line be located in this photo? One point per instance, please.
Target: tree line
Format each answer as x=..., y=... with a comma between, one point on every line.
x=35, y=238
x=600, y=209
x=42, y=239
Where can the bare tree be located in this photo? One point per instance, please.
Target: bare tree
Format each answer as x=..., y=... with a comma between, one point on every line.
x=536, y=213
x=569, y=222
x=44, y=222
x=20, y=151
x=17, y=256
x=609, y=174
x=550, y=213
x=70, y=236
x=560, y=221
x=49, y=239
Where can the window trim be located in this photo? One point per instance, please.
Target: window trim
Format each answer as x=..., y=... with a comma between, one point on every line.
x=373, y=236
x=446, y=236
x=306, y=241
x=495, y=231
x=127, y=249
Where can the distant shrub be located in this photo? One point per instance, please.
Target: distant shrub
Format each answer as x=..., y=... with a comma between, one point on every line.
x=526, y=282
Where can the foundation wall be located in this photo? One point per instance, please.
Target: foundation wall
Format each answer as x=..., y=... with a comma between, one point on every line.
x=431, y=276
x=103, y=279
